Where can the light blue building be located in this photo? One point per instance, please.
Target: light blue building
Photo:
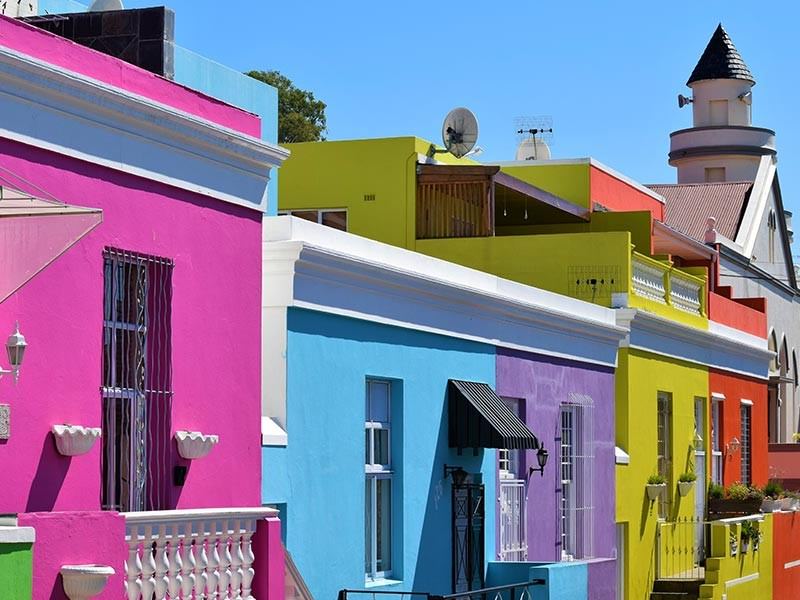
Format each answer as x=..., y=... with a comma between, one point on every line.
x=378, y=362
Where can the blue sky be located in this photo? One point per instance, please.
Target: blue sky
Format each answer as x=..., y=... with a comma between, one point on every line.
x=608, y=73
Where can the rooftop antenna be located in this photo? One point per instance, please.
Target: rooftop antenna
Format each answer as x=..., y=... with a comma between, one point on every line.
x=459, y=133
x=534, y=137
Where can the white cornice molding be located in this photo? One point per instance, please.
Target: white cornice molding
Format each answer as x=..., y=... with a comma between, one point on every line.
x=720, y=347
x=343, y=274
x=756, y=205
x=62, y=111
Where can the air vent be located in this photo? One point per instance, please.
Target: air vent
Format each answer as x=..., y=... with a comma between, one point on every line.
x=369, y=197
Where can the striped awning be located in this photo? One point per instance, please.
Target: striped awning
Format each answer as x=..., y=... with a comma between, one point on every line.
x=478, y=418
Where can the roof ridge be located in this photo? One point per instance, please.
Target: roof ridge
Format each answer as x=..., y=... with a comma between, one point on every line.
x=720, y=60
x=697, y=184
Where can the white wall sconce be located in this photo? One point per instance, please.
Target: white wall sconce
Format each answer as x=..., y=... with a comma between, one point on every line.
x=15, y=348
x=733, y=446
x=194, y=444
x=74, y=440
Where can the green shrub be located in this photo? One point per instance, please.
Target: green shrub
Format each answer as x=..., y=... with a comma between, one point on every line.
x=656, y=480
x=773, y=490
x=687, y=477
x=737, y=491
x=716, y=491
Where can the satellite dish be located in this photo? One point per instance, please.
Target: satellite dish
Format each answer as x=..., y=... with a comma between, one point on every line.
x=101, y=5
x=683, y=100
x=460, y=132
x=533, y=148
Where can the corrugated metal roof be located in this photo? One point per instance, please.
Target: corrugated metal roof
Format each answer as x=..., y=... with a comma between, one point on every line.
x=689, y=205
x=478, y=418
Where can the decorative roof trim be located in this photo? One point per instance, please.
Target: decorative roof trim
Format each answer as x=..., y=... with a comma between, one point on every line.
x=720, y=60
x=65, y=112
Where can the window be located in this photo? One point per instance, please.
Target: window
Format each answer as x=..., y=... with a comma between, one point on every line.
x=335, y=218
x=137, y=380
x=746, y=414
x=378, y=483
x=577, y=455
x=509, y=461
x=716, y=445
x=718, y=112
x=715, y=174
x=664, y=443
x=772, y=226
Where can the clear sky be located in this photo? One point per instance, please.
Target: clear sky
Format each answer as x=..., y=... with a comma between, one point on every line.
x=608, y=73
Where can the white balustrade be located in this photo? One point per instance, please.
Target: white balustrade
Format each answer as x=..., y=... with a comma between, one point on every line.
x=204, y=554
x=684, y=293
x=648, y=279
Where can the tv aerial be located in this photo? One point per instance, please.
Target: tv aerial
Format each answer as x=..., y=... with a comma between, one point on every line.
x=459, y=134
x=534, y=137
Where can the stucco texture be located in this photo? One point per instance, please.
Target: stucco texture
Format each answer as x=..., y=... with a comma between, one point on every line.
x=16, y=571
x=640, y=377
x=544, y=385
x=320, y=474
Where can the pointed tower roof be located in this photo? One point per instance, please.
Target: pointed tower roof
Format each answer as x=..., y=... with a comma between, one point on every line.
x=720, y=60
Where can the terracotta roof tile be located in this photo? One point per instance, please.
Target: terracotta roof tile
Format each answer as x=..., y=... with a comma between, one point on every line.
x=688, y=206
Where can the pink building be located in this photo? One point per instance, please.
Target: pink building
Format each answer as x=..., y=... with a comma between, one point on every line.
x=145, y=332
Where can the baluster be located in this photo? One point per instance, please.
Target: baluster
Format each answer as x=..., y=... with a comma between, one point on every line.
x=200, y=574
x=133, y=568
x=236, y=561
x=162, y=563
x=189, y=563
x=225, y=561
x=248, y=558
x=148, y=564
x=175, y=572
x=213, y=562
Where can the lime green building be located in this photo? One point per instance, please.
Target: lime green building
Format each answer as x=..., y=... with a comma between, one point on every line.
x=578, y=228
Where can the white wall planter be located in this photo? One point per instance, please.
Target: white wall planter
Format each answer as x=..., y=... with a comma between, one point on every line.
x=769, y=505
x=193, y=444
x=786, y=503
x=74, y=440
x=654, y=490
x=684, y=487
x=82, y=582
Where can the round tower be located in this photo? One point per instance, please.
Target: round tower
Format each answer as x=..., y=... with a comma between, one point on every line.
x=722, y=144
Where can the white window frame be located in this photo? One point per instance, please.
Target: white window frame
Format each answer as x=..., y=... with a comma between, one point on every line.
x=664, y=429
x=716, y=438
x=320, y=212
x=746, y=441
x=373, y=473
x=576, y=461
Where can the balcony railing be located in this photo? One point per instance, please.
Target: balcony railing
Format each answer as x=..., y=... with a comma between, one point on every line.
x=200, y=554
x=523, y=590
x=660, y=282
x=457, y=209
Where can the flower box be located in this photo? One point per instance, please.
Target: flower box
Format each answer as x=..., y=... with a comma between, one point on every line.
x=655, y=490
x=769, y=505
x=74, y=440
x=727, y=507
x=194, y=444
x=684, y=487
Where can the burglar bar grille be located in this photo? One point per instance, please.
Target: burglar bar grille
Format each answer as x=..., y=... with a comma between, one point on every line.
x=137, y=380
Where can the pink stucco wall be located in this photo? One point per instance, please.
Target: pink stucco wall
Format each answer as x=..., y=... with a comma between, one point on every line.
x=215, y=336
x=64, y=53
x=61, y=538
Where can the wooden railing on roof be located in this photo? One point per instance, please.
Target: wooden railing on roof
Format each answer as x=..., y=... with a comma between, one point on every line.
x=455, y=202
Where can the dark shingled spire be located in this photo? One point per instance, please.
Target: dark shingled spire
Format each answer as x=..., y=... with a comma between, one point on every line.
x=720, y=60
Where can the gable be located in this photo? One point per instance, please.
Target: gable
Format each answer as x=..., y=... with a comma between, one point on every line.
x=771, y=250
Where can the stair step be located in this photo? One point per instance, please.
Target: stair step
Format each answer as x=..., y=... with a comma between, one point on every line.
x=673, y=596
x=685, y=586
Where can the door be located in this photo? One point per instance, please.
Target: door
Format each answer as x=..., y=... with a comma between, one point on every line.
x=700, y=471
x=468, y=543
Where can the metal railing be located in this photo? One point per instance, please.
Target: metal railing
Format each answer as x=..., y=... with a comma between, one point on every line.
x=513, y=520
x=514, y=591
x=681, y=548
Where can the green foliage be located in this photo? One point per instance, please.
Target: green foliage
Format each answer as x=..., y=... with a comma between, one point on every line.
x=301, y=117
x=716, y=491
x=656, y=480
x=750, y=531
x=737, y=491
x=687, y=477
x=773, y=490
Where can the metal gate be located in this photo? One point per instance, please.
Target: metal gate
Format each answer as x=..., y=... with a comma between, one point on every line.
x=513, y=522
x=468, y=527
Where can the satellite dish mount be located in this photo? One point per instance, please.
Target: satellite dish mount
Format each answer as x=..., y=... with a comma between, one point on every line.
x=459, y=133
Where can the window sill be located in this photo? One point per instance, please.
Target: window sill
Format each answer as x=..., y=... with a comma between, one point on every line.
x=371, y=583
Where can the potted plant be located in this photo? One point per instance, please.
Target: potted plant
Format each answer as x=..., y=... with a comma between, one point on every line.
x=796, y=437
x=734, y=542
x=738, y=500
x=749, y=533
x=656, y=485
x=772, y=494
x=686, y=482
x=795, y=498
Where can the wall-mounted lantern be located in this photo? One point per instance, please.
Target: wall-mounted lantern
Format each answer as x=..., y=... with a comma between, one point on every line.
x=458, y=474
x=15, y=348
x=733, y=446
x=541, y=458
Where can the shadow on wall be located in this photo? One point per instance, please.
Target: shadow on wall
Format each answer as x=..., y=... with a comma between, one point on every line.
x=433, y=569
x=50, y=474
